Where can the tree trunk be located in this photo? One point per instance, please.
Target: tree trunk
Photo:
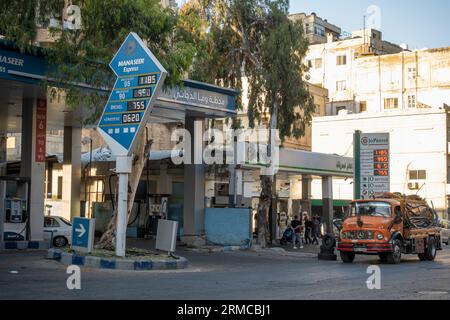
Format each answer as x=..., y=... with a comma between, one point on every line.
x=265, y=199
x=108, y=239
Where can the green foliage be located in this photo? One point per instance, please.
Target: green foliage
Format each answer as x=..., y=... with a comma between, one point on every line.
x=83, y=56
x=19, y=19
x=105, y=24
x=255, y=40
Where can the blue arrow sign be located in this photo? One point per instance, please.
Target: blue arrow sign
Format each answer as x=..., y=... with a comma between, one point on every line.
x=83, y=233
x=139, y=79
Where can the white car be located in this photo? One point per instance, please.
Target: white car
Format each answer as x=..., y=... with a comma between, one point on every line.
x=445, y=231
x=59, y=228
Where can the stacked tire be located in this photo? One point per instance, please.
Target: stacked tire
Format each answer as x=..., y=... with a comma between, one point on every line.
x=327, y=248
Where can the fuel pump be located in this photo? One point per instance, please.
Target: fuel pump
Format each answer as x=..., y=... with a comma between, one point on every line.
x=158, y=209
x=14, y=211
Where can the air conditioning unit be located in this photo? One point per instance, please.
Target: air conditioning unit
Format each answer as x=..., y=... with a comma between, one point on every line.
x=413, y=185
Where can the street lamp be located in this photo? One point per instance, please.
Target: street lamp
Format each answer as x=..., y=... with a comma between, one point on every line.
x=87, y=189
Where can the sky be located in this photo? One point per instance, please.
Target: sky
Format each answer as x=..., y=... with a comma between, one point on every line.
x=418, y=23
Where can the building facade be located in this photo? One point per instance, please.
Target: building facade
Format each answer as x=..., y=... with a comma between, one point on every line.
x=406, y=80
x=419, y=149
x=333, y=59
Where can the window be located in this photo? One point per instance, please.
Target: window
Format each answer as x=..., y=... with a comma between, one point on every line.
x=60, y=187
x=341, y=60
x=67, y=222
x=371, y=209
x=417, y=174
x=363, y=106
x=309, y=29
x=317, y=109
x=50, y=223
x=412, y=101
x=319, y=30
x=391, y=103
x=412, y=73
x=315, y=63
x=341, y=85
x=318, y=63
x=11, y=142
x=59, y=133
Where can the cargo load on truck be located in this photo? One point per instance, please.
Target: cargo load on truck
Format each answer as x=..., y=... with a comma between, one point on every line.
x=417, y=213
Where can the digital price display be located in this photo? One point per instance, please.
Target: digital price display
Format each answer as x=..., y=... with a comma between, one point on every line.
x=136, y=105
x=381, y=166
x=131, y=118
x=147, y=79
x=380, y=159
x=381, y=173
x=381, y=162
x=381, y=152
x=142, y=93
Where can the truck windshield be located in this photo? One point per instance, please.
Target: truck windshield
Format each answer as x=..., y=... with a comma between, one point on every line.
x=374, y=209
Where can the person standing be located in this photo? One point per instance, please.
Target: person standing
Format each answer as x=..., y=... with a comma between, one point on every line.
x=316, y=230
x=296, y=227
x=308, y=229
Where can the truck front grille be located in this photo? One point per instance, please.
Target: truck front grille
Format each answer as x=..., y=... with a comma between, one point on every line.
x=360, y=235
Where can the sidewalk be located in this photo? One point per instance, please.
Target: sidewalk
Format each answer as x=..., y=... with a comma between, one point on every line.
x=307, y=251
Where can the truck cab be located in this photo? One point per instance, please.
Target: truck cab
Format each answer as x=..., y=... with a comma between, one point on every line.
x=380, y=227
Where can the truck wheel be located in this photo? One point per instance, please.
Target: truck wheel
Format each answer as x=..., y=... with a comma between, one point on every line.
x=430, y=251
x=395, y=257
x=422, y=256
x=347, y=257
x=383, y=257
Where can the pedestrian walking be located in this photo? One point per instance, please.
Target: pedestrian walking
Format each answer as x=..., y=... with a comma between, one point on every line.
x=308, y=230
x=316, y=230
x=296, y=227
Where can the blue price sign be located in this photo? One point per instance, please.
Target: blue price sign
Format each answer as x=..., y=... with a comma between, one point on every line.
x=83, y=234
x=139, y=78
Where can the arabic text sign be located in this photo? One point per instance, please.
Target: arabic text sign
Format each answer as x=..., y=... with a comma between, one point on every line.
x=374, y=164
x=200, y=97
x=83, y=234
x=140, y=76
x=41, y=131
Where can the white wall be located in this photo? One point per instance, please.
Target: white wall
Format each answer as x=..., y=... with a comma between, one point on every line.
x=418, y=142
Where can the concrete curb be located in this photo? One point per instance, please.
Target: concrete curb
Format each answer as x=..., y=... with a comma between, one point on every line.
x=217, y=249
x=115, y=264
x=22, y=245
x=284, y=252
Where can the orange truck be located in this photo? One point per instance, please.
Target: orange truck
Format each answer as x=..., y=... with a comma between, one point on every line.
x=389, y=226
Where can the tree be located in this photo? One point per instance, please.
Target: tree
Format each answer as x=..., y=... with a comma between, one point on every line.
x=255, y=39
x=83, y=55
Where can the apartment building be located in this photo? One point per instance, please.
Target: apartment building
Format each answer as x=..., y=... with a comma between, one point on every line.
x=333, y=58
x=406, y=80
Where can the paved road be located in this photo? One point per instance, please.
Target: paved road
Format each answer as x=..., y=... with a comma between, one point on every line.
x=232, y=275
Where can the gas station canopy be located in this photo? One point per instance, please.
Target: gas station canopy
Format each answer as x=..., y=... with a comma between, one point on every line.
x=22, y=73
